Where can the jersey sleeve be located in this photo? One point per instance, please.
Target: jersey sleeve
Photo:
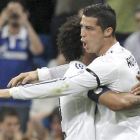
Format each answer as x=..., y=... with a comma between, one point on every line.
x=81, y=82
x=52, y=73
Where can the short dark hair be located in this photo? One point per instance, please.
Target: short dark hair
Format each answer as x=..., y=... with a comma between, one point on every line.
x=7, y=112
x=137, y=9
x=68, y=41
x=105, y=15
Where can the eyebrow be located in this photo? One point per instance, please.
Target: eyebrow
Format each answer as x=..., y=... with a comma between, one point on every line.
x=86, y=26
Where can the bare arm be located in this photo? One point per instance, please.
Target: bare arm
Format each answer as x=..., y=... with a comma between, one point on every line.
x=4, y=93
x=119, y=101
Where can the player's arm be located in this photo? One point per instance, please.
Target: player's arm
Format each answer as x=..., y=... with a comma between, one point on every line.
x=38, y=75
x=115, y=101
x=120, y=101
x=57, y=87
x=87, y=79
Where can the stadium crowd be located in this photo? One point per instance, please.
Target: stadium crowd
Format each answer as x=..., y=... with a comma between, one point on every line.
x=28, y=40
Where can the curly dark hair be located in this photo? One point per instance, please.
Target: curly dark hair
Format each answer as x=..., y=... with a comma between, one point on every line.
x=68, y=41
x=104, y=13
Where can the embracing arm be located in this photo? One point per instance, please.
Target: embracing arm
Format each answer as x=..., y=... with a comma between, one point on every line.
x=85, y=80
x=122, y=101
x=56, y=87
x=119, y=101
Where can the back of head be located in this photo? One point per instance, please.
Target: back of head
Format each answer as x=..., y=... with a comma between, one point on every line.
x=68, y=40
x=106, y=16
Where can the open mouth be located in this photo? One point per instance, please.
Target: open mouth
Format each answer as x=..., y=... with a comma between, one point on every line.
x=85, y=45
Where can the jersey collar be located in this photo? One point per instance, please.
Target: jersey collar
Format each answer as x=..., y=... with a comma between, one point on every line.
x=22, y=35
x=115, y=48
x=73, y=62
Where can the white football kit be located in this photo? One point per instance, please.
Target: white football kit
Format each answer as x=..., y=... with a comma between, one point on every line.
x=77, y=111
x=117, y=70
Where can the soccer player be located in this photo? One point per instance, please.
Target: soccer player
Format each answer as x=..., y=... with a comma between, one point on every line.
x=105, y=70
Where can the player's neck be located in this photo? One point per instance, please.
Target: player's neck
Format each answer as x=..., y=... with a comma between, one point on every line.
x=108, y=43
x=88, y=58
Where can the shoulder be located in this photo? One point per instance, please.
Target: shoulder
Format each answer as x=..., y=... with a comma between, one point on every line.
x=104, y=64
x=76, y=65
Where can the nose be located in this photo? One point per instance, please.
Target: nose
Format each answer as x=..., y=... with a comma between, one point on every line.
x=83, y=34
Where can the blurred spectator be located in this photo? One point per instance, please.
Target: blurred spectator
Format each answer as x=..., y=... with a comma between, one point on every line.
x=36, y=132
x=9, y=125
x=50, y=129
x=125, y=20
x=132, y=43
x=17, y=41
x=56, y=131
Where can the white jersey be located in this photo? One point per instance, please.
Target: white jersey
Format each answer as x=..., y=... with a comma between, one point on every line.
x=121, y=125
x=77, y=111
x=52, y=73
x=117, y=70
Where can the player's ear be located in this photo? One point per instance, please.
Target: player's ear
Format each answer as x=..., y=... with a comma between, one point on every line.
x=108, y=32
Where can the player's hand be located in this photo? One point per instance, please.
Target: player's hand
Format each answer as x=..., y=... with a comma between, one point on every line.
x=136, y=88
x=138, y=77
x=24, y=78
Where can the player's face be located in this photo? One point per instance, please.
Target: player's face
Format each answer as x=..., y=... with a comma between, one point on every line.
x=92, y=35
x=137, y=18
